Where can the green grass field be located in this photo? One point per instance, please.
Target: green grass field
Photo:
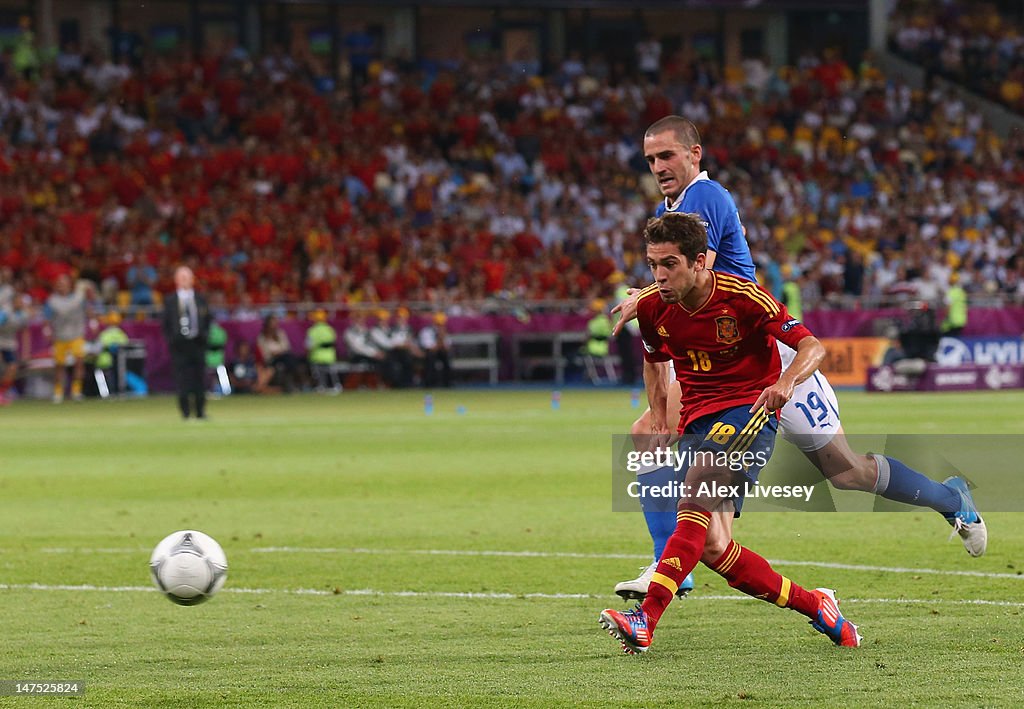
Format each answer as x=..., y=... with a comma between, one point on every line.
x=366, y=543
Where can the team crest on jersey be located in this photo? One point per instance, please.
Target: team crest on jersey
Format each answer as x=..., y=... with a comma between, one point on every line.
x=728, y=329
x=662, y=331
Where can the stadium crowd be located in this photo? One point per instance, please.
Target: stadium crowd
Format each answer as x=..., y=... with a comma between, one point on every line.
x=451, y=183
x=970, y=43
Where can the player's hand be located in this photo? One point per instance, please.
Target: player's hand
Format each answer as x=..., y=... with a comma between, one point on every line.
x=662, y=437
x=774, y=397
x=626, y=310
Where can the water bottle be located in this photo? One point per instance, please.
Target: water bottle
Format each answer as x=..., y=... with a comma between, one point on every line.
x=634, y=398
x=556, y=400
x=428, y=404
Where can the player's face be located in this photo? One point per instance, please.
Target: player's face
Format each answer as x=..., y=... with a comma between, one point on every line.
x=672, y=163
x=674, y=273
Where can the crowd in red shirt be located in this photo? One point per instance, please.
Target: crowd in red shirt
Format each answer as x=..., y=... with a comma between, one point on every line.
x=446, y=183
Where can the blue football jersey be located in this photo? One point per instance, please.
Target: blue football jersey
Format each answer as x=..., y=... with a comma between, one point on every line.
x=716, y=207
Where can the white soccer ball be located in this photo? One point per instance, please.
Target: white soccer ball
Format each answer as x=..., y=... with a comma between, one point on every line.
x=189, y=567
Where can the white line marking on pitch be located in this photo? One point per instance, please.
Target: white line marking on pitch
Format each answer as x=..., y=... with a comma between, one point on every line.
x=445, y=552
x=574, y=555
x=556, y=555
x=471, y=595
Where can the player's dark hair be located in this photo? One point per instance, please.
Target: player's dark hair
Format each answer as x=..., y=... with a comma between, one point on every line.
x=684, y=130
x=686, y=231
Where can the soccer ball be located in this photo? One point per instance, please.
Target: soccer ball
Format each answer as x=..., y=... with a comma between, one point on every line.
x=189, y=567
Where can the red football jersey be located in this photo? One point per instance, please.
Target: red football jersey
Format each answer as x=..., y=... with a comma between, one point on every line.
x=724, y=352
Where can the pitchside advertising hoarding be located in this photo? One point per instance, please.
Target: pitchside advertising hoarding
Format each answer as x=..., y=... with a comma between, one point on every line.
x=961, y=364
x=847, y=359
x=958, y=351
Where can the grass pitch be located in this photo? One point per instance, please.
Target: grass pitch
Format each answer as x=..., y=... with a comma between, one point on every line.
x=382, y=557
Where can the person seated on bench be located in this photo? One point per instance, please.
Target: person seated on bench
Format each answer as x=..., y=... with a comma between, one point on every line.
x=436, y=345
x=405, y=352
x=361, y=350
x=275, y=350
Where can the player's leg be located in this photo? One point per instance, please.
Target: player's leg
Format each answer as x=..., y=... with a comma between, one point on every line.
x=750, y=573
x=634, y=629
x=78, y=371
x=725, y=451
x=661, y=519
x=60, y=356
x=179, y=366
x=744, y=569
x=751, y=440
x=659, y=516
x=894, y=480
x=811, y=422
x=197, y=381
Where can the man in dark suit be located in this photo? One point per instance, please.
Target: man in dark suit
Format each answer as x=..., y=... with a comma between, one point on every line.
x=186, y=325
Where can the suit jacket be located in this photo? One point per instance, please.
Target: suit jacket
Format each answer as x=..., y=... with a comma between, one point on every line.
x=171, y=323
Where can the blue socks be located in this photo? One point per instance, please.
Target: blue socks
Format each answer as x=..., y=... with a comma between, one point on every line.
x=898, y=482
x=659, y=512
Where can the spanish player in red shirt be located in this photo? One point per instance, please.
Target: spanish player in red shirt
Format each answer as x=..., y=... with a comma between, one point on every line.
x=720, y=333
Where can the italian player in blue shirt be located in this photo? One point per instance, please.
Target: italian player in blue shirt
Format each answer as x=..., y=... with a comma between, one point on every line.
x=810, y=420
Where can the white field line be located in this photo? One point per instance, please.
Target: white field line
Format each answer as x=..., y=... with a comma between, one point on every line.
x=554, y=555
x=574, y=555
x=476, y=595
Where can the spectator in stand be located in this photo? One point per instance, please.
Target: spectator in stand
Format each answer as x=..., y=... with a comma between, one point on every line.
x=141, y=278
x=648, y=58
x=299, y=211
x=361, y=48
x=967, y=42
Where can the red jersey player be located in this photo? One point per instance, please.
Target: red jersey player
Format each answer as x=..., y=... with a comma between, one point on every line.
x=720, y=333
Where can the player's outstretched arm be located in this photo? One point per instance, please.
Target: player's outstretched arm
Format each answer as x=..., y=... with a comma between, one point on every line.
x=809, y=355
x=626, y=310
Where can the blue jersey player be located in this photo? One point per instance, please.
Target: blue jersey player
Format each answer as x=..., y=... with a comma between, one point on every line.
x=810, y=420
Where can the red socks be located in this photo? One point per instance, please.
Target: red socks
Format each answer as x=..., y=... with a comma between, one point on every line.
x=682, y=552
x=753, y=575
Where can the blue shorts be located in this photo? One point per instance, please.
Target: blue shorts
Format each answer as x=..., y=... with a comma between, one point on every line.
x=8, y=356
x=735, y=438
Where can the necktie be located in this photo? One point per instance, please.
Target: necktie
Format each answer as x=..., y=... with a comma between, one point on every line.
x=189, y=317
